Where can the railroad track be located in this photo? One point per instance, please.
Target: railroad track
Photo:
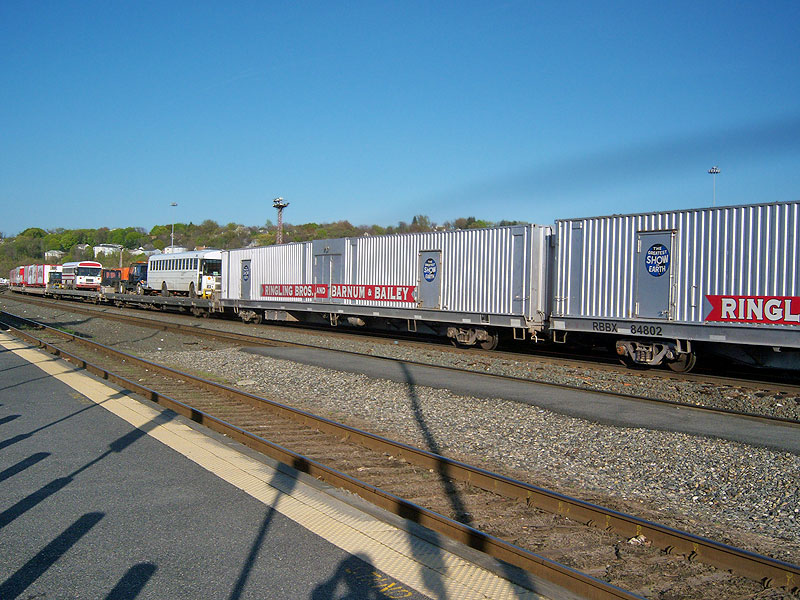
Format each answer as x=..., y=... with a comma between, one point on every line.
x=746, y=377
x=192, y=327
x=496, y=514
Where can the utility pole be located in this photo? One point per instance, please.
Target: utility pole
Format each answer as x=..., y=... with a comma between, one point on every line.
x=172, y=234
x=279, y=204
x=714, y=171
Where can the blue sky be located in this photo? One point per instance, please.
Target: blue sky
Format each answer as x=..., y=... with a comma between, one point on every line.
x=376, y=111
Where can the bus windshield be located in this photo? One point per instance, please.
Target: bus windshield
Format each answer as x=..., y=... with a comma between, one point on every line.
x=211, y=267
x=88, y=271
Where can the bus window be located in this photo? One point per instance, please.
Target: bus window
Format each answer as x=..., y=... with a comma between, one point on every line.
x=211, y=267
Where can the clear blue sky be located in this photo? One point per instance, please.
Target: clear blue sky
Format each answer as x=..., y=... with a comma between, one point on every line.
x=376, y=111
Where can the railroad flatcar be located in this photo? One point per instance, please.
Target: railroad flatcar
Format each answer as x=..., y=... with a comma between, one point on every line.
x=660, y=285
x=192, y=273
x=81, y=275
x=465, y=284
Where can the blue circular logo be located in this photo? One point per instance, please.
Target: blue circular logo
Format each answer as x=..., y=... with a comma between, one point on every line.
x=657, y=260
x=245, y=272
x=429, y=270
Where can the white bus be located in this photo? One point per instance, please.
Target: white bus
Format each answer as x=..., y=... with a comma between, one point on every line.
x=81, y=275
x=193, y=273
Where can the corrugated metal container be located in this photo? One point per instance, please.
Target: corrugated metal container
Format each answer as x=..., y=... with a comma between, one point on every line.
x=494, y=271
x=287, y=264
x=501, y=271
x=673, y=265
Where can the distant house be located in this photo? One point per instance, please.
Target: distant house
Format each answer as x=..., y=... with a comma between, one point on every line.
x=53, y=255
x=107, y=249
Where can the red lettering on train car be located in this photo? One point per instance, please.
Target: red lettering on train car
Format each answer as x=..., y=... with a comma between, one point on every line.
x=778, y=310
x=368, y=293
x=284, y=290
x=381, y=293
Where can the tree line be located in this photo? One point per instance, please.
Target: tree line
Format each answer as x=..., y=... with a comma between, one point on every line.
x=29, y=246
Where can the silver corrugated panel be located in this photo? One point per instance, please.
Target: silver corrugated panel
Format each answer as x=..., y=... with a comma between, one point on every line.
x=751, y=250
x=284, y=264
x=494, y=271
x=499, y=271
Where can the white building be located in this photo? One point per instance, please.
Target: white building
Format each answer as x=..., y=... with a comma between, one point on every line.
x=53, y=255
x=107, y=249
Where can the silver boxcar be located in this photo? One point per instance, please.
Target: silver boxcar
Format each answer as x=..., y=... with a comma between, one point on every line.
x=659, y=281
x=466, y=283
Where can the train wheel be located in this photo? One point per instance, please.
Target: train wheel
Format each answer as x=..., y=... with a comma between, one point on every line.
x=491, y=343
x=684, y=364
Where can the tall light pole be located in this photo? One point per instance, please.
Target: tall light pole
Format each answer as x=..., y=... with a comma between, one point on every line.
x=172, y=235
x=714, y=171
x=279, y=204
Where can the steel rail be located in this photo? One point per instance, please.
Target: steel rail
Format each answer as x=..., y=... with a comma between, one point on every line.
x=766, y=570
x=243, y=338
x=566, y=577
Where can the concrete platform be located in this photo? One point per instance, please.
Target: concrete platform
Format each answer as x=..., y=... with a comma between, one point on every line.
x=103, y=495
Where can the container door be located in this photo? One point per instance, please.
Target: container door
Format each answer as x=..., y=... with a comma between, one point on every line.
x=247, y=275
x=518, y=274
x=576, y=277
x=328, y=271
x=654, y=274
x=430, y=279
